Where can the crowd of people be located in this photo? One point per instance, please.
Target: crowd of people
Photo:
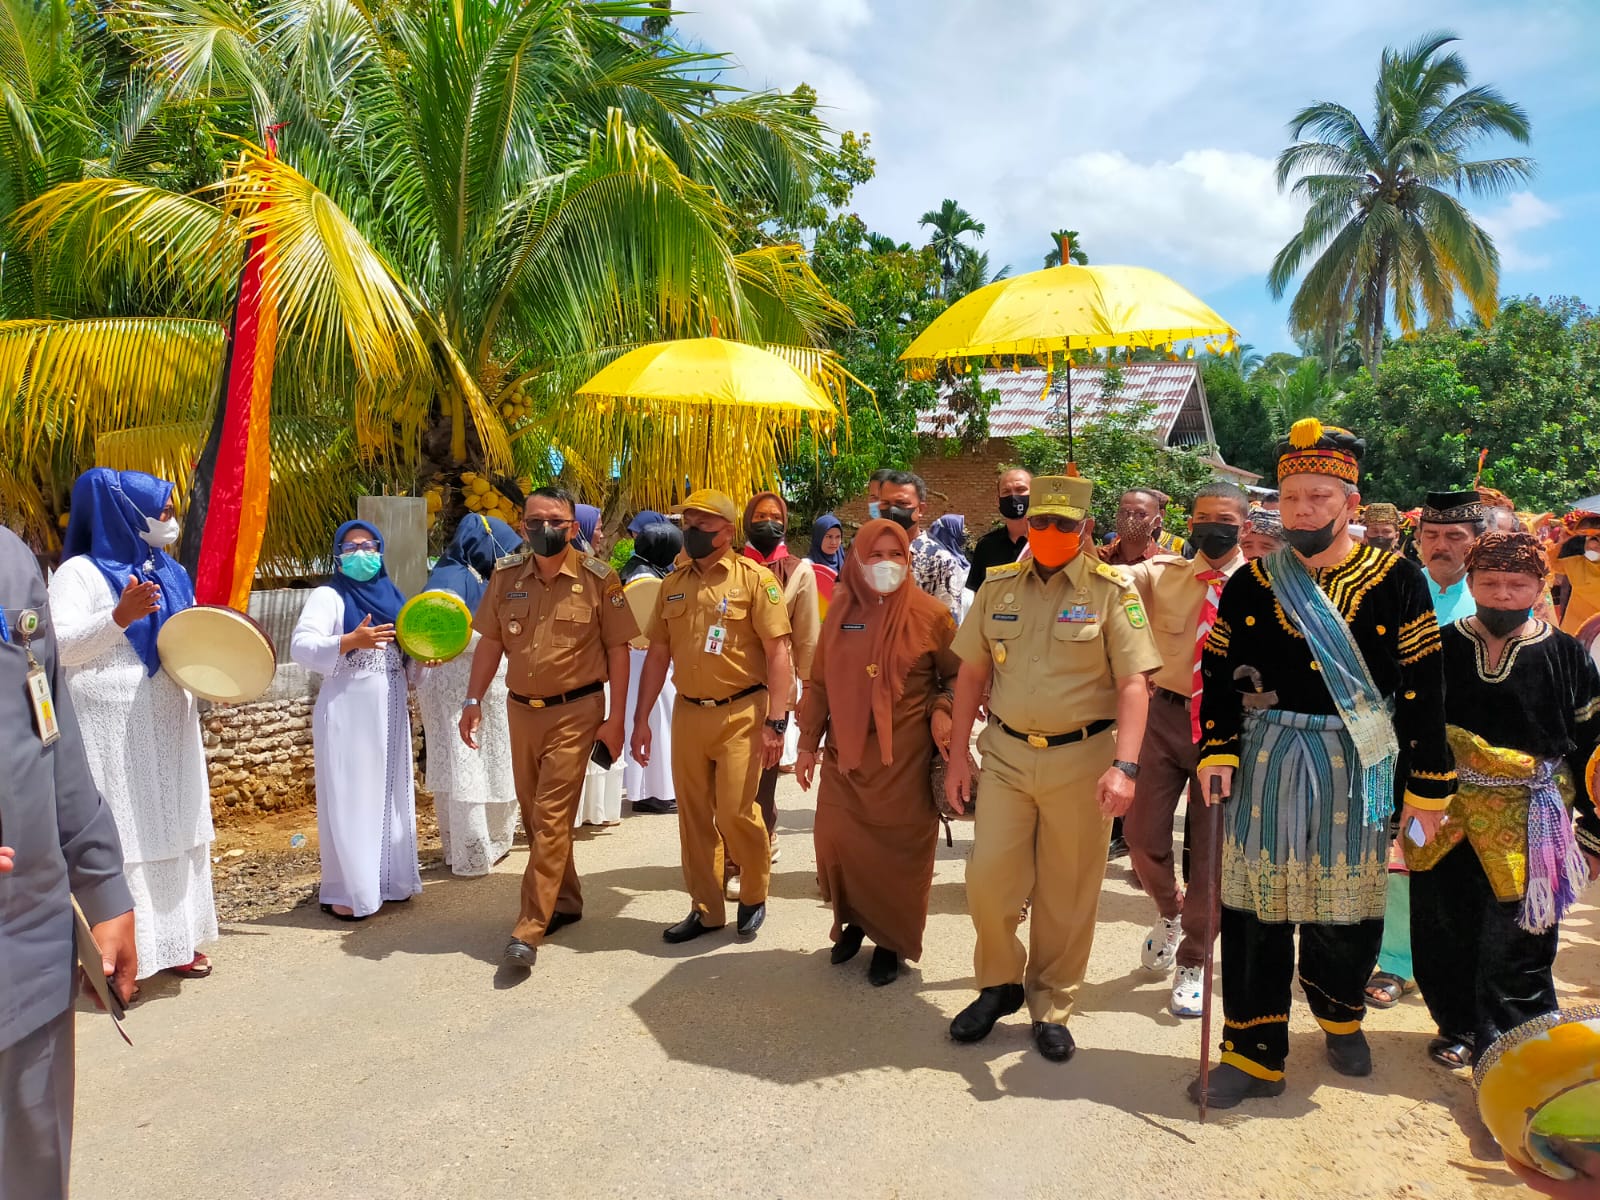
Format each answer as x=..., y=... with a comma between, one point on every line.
x=1384, y=725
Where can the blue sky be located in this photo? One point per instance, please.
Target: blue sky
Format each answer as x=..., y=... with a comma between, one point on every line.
x=1151, y=126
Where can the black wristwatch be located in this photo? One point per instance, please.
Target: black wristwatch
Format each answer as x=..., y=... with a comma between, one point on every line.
x=1130, y=769
x=780, y=726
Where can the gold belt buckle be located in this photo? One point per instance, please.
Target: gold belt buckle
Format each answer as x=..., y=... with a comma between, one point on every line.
x=706, y=703
x=1038, y=741
x=536, y=703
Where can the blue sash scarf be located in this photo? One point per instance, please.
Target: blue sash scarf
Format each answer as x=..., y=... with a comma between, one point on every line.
x=1366, y=714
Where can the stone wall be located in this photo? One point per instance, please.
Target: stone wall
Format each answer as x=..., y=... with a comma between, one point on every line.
x=260, y=756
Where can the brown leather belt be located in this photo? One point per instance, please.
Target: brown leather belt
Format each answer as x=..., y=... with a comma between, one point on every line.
x=587, y=689
x=1172, y=697
x=755, y=687
x=1040, y=740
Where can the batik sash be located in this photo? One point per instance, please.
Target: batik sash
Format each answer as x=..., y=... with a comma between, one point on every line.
x=1368, y=720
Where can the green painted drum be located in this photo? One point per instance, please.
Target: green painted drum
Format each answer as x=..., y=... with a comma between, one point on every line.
x=434, y=626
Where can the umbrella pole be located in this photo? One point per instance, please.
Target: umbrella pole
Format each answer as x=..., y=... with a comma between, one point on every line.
x=1072, y=454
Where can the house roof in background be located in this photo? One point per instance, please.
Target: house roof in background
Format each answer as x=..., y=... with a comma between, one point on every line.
x=1180, y=417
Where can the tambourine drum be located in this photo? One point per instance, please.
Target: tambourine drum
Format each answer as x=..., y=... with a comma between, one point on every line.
x=1542, y=1080
x=217, y=653
x=434, y=626
x=641, y=592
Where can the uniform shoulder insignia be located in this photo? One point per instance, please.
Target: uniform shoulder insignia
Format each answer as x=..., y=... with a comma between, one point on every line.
x=1002, y=570
x=1107, y=571
x=596, y=566
x=1135, y=610
x=509, y=560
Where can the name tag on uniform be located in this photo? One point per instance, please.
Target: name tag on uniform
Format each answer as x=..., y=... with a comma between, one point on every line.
x=44, y=709
x=715, y=636
x=1003, y=616
x=853, y=628
x=1077, y=614
x=516, y=595
x=676, y=596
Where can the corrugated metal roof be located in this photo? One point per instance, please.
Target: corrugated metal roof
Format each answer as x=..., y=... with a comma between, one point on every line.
x=1022, y=406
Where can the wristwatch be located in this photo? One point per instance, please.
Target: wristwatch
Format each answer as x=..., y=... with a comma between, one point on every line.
x=1130, y=769
x=469, y=702
x=780, y=726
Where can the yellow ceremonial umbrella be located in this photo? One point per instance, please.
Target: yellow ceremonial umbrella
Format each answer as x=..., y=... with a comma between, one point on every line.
x=1067, y=308
x=703, y=410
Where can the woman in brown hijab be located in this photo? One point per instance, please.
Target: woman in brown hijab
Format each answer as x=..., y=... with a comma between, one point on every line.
x=878, y=691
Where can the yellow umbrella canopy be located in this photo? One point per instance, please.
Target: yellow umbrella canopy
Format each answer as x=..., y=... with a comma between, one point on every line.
x=701, y=412
x=1068, y=308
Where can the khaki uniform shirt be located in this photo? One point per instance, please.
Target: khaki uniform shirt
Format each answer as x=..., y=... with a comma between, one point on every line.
x=1172, y=597
x=1057, y=645
x=734, y=592
x=556, y=634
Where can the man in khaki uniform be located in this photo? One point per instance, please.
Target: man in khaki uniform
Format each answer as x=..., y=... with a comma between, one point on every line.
x=1181, y=597
x=1061, y=646
x=561, y=616
x=720, y=623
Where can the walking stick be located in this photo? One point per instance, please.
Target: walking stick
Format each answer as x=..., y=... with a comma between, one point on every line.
x=1213, y=919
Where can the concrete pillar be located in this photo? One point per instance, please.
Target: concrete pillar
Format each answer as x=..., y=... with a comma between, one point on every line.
x=403, y=521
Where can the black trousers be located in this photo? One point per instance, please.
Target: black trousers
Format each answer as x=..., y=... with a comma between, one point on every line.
x=1480, y=972
x=1258, y=973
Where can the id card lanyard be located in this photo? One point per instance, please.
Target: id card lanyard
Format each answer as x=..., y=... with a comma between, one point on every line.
x=717, y=634
x=38, y=683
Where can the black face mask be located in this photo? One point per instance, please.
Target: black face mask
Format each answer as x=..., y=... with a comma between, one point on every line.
x=1501, y=621
x=1214, y=539
x=1312, y=542
x=906, y=518
x=1013, y=508
x=765, y=535
x=698, y=543
x=1381, y=543
x=546, y=542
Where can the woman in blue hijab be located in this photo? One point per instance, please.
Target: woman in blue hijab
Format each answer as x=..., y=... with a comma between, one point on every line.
x=588, y=518
x=115, y=588
x=361, y=730
x=474, y=792
x=820, y=552
x=950, y=531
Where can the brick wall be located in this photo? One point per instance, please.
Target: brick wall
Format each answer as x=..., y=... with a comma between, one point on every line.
x=960, y=483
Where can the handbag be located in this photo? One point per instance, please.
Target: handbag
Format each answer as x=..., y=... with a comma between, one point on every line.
x=938, y=769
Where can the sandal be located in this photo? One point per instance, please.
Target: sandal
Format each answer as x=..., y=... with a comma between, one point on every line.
x=1452, y=1053
x=339, y=916
x=1384, y=989
x=198, y=968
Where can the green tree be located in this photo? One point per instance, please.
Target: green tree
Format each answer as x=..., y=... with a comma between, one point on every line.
x=973, y=273
x=1074, y=249
x=1526, y=389
x=1239, y=417
x=1295, y=395
x=951, y=223
x=1384, y=221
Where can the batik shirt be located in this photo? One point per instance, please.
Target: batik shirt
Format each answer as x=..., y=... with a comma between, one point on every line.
x=938, y=572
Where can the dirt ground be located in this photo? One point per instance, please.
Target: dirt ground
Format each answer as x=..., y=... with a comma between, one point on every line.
x=397, y=1059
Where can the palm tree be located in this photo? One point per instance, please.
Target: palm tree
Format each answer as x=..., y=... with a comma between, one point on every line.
x=882, y=243
x=1384, y=219
x=473, y=206
x=972, y=273
x=1303, y=392
x=1243, y=360
x=1074, y=250
x=950, y=224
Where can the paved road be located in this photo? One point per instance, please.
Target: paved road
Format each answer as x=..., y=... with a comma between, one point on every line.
x=394, y=1059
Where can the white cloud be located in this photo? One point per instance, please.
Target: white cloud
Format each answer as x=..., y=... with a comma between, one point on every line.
x=1521, y=213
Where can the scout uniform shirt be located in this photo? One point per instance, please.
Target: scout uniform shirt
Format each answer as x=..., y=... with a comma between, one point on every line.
x=1058, y=645
x=732, y=593
x=1172, y=598
x=556, y=634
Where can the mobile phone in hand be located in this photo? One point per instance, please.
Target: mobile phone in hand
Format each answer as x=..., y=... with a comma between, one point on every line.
x=601, y=757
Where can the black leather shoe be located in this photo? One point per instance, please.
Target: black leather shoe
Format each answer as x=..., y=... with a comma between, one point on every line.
x=519, y=954
x=687, y=929
x=1054, y=1041
x=751, y=918
x=1229, y=1085
x=1349, y=1054
x=884, y=967
x=560, y=920
x=849, y=943
x=1117, y=849
x=973, y=1023
x=654, y=804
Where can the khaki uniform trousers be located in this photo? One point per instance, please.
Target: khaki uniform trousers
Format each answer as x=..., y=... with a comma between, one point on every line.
x=716, y=764
x=1038, y=832
x=550, y=750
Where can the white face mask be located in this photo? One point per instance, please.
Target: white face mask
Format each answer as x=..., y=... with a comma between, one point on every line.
x=160, y=533
x=886, y=576
x=1592, y=555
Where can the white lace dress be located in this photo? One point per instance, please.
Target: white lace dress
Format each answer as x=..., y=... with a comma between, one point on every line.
x=653, y=782
x=601, y=802
x=474, y=794
x=142, y=736
x=361, y=731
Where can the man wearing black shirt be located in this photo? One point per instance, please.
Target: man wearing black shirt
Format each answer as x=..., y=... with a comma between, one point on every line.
x=1004, y=543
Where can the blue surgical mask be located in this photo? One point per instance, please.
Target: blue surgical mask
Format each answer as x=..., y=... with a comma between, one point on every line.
x=872, y=510
x=361, y=565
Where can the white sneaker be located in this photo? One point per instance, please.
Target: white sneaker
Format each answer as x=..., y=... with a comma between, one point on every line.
x=1161, y=945
x=731, y=888
x=1186, y=992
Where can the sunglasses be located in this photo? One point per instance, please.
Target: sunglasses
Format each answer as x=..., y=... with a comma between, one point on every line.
x=1063, y=524
x=533, y=523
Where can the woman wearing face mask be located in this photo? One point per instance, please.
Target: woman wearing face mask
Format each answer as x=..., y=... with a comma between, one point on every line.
x=474, y=794
x=361, y=731
x=116, y=586
x=766, y=517
x=656, y=547
x=879, y=695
